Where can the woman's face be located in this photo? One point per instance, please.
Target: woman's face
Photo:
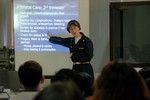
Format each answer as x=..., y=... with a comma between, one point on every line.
x=74, y=30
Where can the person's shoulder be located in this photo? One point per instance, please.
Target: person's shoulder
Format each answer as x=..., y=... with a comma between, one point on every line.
x=87, y=39
x=84, y=36
x=24, y=96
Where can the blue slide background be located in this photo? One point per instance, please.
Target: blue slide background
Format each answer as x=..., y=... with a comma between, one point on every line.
x=34, y=18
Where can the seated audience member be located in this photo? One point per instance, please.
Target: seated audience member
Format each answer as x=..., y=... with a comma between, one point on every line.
x=83, y=80
x=31, y=77
x=60, y=91
x=119, y=81
x=145, y=73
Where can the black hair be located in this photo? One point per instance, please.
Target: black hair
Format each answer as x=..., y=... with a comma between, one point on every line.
x=30, y=73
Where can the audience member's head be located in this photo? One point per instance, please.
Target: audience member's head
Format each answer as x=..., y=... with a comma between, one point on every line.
x=60, y=78
x=65, y=75
x=145, y=73
x=60, y=91
x=30, y=75
x=119, y=81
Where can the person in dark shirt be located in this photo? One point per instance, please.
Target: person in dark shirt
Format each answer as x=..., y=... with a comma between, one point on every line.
x=80, y=46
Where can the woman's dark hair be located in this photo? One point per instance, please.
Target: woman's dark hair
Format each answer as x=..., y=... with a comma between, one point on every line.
x=119, y=81
x=74, y=23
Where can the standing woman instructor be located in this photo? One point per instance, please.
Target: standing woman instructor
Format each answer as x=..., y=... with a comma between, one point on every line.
x=80, y=46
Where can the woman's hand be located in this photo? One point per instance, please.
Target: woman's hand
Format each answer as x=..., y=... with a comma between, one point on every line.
x=71, y=55
x=49, y=34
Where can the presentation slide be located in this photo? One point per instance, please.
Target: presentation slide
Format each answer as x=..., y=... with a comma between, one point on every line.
x=34, y=18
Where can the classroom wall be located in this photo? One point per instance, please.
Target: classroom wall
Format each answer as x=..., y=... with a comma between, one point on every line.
x=5, y=23
x=98, y=26
x=99, y=32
